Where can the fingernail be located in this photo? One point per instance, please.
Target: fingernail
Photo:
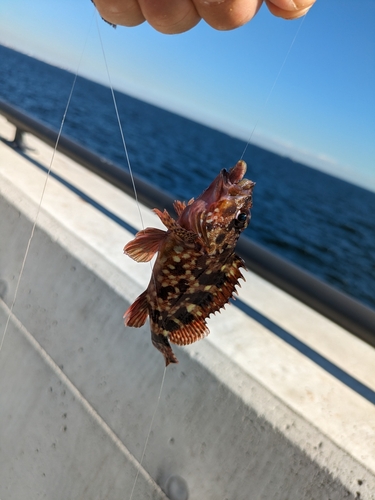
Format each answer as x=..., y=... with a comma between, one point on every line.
x=301, y=4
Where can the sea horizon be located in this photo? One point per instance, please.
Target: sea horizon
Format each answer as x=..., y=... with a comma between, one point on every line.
x=272, y=145
x=312, y=218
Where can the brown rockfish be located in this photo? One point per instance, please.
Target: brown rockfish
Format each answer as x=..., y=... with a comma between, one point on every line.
x=196, y=270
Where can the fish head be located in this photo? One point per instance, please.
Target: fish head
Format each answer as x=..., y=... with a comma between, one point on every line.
x=222, y=211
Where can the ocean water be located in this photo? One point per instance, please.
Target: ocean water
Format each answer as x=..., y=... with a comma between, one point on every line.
x=321, y=223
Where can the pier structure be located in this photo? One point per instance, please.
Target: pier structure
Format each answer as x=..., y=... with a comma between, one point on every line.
x=278, y=402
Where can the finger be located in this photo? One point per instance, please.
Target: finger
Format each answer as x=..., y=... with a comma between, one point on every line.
x=289, y=9
x=123, y=12
x=170, y=16
x=227, y=14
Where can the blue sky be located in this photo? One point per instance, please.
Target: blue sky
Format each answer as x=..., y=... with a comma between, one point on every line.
x=321, y=110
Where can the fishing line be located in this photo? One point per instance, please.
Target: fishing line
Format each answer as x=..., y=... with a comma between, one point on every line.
x=119, y=122
x=140, y=214
x=139, y=209
x=273, y=85
x=43, y=193
x=149, y=433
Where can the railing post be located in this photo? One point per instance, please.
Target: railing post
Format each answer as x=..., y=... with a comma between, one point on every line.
x=19, y=140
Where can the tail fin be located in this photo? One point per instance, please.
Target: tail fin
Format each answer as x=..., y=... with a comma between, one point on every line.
x=161, y=343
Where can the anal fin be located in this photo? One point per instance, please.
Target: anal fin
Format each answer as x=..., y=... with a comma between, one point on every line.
x=137, y=313
x=190, y=333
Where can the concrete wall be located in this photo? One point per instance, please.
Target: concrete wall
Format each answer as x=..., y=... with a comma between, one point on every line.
x=77, y=394
x=244, y=415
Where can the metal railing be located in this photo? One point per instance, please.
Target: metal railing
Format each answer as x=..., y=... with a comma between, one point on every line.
x=335, y=305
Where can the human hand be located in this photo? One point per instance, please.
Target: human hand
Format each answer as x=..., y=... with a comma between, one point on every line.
x=177, y=16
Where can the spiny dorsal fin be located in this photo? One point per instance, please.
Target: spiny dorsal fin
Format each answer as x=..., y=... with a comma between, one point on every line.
x=182, y=233
x=137, y=313
x=166, y=219
x=179, y=206
x=145, y=244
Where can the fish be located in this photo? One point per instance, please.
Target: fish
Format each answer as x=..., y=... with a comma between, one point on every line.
x=196, y=270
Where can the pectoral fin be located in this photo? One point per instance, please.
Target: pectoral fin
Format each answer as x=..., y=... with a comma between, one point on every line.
x=137, y=313
x=145, y=244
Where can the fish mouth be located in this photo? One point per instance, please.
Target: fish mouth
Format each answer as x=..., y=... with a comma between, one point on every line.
x=228, y=185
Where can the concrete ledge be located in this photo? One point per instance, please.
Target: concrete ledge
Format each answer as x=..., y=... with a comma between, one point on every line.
x=236, y=419
x=54, y=444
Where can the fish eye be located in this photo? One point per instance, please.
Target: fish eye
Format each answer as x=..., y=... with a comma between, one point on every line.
x=241, y=217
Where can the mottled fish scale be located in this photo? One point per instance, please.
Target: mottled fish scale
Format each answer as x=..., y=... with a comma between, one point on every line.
x=211, y=291
x=196, y=271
